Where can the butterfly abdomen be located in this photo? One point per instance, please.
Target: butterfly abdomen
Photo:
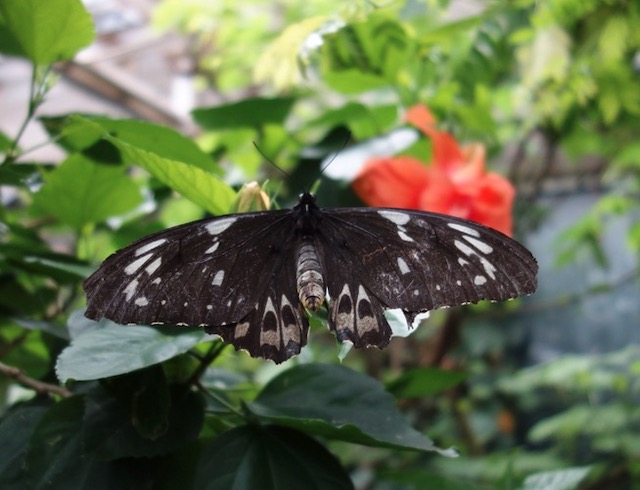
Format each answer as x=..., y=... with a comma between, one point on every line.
x=309, y=277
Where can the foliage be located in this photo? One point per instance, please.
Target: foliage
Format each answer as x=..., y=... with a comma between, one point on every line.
x=95, y=404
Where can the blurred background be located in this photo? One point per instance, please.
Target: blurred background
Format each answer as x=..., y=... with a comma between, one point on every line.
x=551, y=93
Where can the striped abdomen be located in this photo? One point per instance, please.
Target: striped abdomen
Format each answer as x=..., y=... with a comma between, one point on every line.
x=309, y=277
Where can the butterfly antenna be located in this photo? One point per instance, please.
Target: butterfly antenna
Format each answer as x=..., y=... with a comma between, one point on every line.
x=281, y=170
x=335, y=155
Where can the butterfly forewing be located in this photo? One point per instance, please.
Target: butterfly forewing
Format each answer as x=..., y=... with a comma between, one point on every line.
x=245, y=277
x=209, y=272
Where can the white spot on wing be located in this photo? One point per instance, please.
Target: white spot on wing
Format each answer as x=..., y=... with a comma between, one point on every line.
x=402, y=265
x=209, y=307
x=395, y=216
x=463, y=247
x=485, y=248
x=136, y=264
x=404, y=236
x=130, y=290
x=219, y=225
x=464, y=229
x=150, y=246
x=157, y=280
x=479, y=280
x=212, y=248
x=218, y=278
x=163, y=302
x=141, y=301
x=153, y=266
x=488, y=268
x=462, y=261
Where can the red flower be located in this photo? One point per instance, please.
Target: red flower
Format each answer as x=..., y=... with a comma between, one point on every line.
x=456, y=182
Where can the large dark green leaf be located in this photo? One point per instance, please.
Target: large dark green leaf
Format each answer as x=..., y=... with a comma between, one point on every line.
x=339, y=403
x=140, y=420
x=116, y=349
x=248, y=113
x=55, y=458
x=268, y=458
x=45, y=31
x=16, y=429
x=80, y=191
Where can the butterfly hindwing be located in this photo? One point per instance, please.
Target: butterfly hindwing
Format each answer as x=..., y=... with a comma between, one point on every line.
x=277, y=327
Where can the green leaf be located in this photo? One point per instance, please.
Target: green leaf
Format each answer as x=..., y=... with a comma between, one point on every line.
x=55, y=458
x=80, y=192
x=130, y=425
x=80, y=134
x=248, y=113
x=565, y=479
x=363, y=121
x=18, y=174
x=425, y=381
x=45, y=31
x=366, y=55
x=268, y=458
x=335, y=402
x=117, y=349
x=16, y=429
x=194, y=183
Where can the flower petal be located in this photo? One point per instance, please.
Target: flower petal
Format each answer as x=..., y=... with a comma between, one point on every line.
x=420, y=116
x=391, y=182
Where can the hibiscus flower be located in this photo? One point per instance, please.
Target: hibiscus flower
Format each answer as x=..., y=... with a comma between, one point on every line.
x=455, y=183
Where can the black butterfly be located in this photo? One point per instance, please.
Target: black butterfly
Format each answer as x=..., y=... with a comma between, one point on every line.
x=249, y=277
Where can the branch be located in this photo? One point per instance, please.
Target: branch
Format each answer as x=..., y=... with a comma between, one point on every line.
x=39, y=386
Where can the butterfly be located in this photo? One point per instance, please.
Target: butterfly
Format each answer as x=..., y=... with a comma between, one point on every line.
x=250, y=277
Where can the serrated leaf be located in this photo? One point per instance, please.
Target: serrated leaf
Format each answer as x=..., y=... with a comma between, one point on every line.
x=268, y=458
x=79, y=192
x=46, y=31
x=336, y=402
x=194, y=183
x=117, y=349
x=365, y=55
x=248, y=113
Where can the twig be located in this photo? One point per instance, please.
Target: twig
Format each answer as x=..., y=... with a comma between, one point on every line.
x=39, y=386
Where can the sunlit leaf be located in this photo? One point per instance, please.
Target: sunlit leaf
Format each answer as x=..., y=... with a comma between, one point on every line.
x=80, y=191
x=116, y=349
x=46, y=31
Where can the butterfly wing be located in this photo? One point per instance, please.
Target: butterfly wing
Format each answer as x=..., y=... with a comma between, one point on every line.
x=415, y=261
x=210, y=272
x=277, y=327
